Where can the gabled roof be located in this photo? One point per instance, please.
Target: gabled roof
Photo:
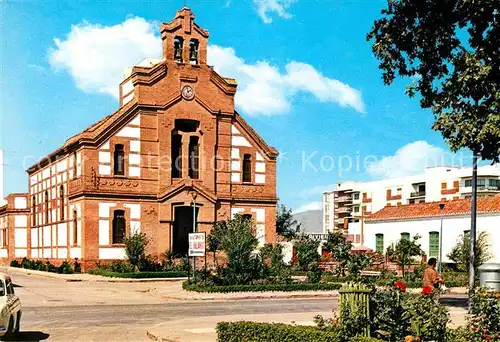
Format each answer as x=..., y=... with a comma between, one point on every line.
x=459, y=207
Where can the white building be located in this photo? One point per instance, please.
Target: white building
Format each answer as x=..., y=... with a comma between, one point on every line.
x=390, y=224
x=351, y=202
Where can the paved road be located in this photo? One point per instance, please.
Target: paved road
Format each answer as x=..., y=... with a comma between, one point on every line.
x=117, y=315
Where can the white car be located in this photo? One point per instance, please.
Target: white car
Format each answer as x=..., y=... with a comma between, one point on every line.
x=10, y=308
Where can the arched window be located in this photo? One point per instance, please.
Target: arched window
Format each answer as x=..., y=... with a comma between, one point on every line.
x=178, y=44
x=119, y=160
x=176, y=155
x=33, y=210
x=75, y=228
x=46, y=207
x=433, y=244
x=194, y=157
x=61, y=207
x=118, y=226
x=193, y=51
x=247, y=168
x=379, y=243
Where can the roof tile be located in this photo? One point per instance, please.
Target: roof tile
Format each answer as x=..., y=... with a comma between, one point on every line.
x=490, y=204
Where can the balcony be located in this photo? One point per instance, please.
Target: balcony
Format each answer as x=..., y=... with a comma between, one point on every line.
x=343, y=199
x=344, y=210
x=417, y=194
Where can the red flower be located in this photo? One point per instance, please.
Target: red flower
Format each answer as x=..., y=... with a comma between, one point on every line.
x=427, y=290
x=401, y=286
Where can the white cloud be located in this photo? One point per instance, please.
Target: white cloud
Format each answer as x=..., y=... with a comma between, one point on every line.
x=408, y=160
x=264, y=90
x=265, y=7
x=95, y=56
x=309, y=206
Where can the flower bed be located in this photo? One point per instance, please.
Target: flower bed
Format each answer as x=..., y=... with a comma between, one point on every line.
x=262, y=287
x=139, y=275
x=263, y=332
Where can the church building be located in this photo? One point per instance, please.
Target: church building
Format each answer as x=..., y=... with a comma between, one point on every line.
x=175, y=156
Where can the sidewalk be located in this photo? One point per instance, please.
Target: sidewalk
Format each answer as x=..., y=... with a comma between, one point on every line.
x=202, y=329
x=84, y=276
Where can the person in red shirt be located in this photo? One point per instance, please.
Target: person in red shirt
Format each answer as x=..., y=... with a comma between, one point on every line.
x=431, y=277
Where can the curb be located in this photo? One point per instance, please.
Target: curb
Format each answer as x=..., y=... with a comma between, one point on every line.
x=158, y=338
x=85, y=277
x=271, y=297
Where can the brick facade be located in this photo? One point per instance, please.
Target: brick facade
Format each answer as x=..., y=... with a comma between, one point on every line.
x=121, y=170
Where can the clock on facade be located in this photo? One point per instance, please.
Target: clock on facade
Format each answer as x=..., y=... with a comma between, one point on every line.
x=187, y=92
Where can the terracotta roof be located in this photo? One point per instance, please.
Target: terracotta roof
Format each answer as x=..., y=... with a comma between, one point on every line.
x=457, y=207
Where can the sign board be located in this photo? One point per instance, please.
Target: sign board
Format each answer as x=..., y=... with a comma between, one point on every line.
x=196, y=244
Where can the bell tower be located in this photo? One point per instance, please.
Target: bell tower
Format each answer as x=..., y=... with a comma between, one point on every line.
x=183, y=41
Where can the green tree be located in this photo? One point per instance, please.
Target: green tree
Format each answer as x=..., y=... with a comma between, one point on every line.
x=357, y=263
x=286, y=225
x=273, y=265
x=450, y=52
x=135, y=249
x=460, y=254
x=340, y=248
x=237, y=240
x=307, y=251
x=214, y=238
x=405, y=252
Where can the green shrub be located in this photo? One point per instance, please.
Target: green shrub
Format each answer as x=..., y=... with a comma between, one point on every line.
x=271, y=332
x=15, y=263
x=65, y=268
x=263, y=287
x=139, y=275
x=135, y=248
x=314, y=273
x=307, y=251
x=277, y=332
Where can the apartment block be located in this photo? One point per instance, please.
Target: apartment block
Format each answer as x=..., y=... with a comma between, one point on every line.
x=346, y=207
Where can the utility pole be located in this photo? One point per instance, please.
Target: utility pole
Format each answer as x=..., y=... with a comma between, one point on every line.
x=441, y=207
x=472, y=273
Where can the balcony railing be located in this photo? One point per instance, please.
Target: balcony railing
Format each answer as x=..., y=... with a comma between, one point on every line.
x=344, y=199
x=344, y=210
x=417, y=194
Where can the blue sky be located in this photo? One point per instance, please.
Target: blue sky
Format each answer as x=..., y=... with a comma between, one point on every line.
x=309, y=83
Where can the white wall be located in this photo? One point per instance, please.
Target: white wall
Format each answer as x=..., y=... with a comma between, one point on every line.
x=453, y=227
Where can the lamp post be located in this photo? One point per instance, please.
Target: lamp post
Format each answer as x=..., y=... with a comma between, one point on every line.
x=193, y=197
x=441, y=207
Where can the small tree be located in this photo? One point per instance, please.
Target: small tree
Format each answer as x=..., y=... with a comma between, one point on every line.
x=237, y=240
x=286, y=225
x=340, y=248
x=405, y=251
x=273, y=264
x=460, y=254
x=307, y=251
x=135, y=249
x=214, y=239
x=358, y=263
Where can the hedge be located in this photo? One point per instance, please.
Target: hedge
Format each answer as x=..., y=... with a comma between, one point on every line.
x=263, y=287
x=277, y=332
x=139, y=275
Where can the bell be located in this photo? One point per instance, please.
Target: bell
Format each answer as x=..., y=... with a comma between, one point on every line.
x=193, y=54
x=177, y=53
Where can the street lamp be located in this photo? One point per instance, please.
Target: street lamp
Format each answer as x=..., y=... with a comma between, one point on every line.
x=441, y=207
x=193, y=195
